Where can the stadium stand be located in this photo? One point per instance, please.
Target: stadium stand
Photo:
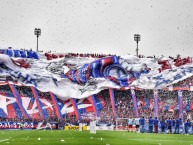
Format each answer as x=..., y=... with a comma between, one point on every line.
x=42, y=106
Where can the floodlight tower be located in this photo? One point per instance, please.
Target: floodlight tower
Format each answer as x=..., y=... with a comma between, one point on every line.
x=37, y=32
x=137, y=38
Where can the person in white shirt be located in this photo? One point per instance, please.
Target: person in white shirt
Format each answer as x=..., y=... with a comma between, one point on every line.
x=130, y=124
x=137, y=124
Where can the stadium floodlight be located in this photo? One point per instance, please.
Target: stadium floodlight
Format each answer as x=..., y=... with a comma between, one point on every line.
x=137, y=38
x=37, y=32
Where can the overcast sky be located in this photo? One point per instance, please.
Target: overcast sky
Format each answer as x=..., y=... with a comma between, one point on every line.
x=99, y=26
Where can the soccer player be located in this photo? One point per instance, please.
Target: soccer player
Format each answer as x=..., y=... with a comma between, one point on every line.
x=155, y=122
x=134, y=125
x=150, y=125
x=173, y=123
x=130, y=123
x=169, y=124
x=186, y=126
x=142, y=123
x=178, y=122
x=137, y=124
x=162, y=122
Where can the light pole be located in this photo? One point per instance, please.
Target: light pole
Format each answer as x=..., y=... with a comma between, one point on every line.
x=37, y=32
x=137, y=38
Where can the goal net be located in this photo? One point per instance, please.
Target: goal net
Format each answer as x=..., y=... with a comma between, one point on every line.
x=123, y=125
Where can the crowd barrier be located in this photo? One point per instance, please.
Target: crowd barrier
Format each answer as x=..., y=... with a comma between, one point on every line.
x=74, y=128
x=110, y=128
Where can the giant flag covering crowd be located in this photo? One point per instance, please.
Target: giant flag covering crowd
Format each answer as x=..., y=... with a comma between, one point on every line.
x=86, y=86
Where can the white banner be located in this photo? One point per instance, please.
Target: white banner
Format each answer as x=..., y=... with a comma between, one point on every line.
x=75, y=77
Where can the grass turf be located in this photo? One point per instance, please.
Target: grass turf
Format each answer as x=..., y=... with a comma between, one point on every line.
x=56, y=137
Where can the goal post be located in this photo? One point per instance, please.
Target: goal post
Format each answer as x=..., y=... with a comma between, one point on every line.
x=80, y=126
x=93, y=127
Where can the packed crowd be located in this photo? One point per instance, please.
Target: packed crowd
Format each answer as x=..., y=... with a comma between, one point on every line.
x=124, y=104
x=93, y=55
x=106, y=115
x=168, y=104
x=187, y=83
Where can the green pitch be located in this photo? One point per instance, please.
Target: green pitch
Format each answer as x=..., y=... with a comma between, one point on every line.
x=61, y=137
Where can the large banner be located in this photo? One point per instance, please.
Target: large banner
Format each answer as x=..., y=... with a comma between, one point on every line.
x=23, y=125
x=17, y=125
x=74, y=77
x=51, y=106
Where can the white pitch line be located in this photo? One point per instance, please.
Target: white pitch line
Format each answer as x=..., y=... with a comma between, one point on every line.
x=159, y=140
x=4, y=140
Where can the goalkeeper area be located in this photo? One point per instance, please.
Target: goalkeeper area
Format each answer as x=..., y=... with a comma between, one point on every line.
x=72, y=137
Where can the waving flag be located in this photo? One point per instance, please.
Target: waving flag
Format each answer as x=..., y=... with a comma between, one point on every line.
x=156, y=106
x=56, y=106
x=180, y=104
x=134, y=102
x=91, y=104
x=16, y=95
x=8, y=106
x=30, y=105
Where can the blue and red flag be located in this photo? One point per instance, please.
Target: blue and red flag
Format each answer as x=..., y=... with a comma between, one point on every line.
x=74, y=104
x=19, y=101
x=43, y=112
x=134, y=102
x=156, y=106
x=180, y=104
x=56, y=106
x=8, y=106
x=83, y=105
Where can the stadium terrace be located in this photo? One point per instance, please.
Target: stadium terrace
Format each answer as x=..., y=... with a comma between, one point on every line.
x=138, y=94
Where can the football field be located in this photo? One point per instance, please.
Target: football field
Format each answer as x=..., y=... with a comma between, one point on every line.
x=56, y=137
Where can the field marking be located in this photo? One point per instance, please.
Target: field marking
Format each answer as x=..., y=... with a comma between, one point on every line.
x=58, y=138
x=160, y=140
x=4, y=140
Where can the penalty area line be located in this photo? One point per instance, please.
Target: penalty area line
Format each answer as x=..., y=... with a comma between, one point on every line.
x=4, y=140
